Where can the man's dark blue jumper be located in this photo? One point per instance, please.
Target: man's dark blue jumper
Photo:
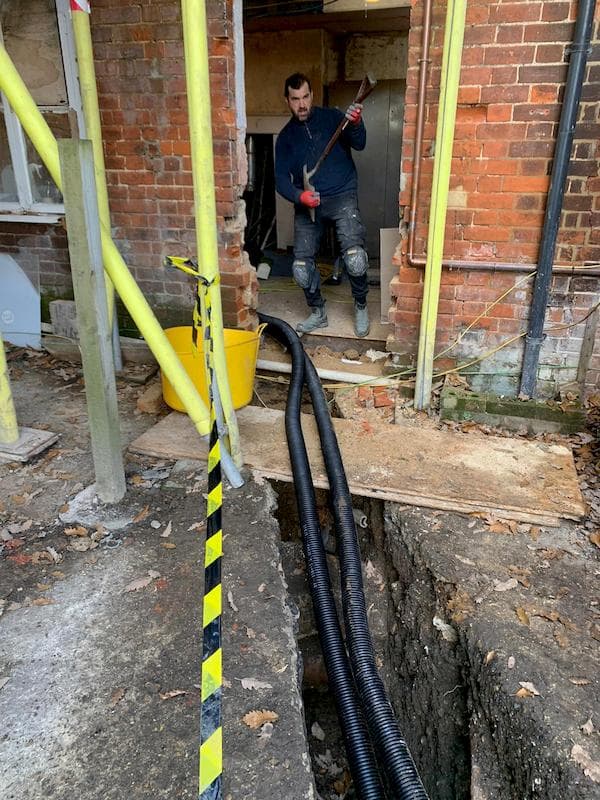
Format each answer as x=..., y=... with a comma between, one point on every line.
x=301, y=143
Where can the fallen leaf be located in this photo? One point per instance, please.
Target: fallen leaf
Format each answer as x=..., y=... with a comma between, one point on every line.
x=529, y=687
x=560, y=638
x=230, y=601
x=266, y=731
x=167, y=530
x=197, y=526
x=20, y=558
x=522, y=615
x=595, y=538
x=141, y=583
x=255, y=719
x=42, y=601
x=141, y=515
x=168, y=545
x=588, y=727
x=504, y=586
x=590, y=767
x=14, y=544
x=490, y=656
x=318, y=732
x=534, y=532
x=172, y=693
x=78, y=530
x=116, y=696
x=254, y=683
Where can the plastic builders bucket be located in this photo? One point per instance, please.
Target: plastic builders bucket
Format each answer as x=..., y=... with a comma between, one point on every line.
x=241, y=350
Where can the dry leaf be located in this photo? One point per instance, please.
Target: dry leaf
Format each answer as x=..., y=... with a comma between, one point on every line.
x=529, y=687
x=522, y=615
x=590, y=767
x=534, y=532
x=42, y=601
x=595, y=538
x=172, y=693
x=78, y=530
x=588, y=727
x=168, y=545
x=490, y=656
x=504, y=586
x=255, y=719
x=141, y=583
x=254, y=683
x=197, y=526
x=167, y=530
x=230, y=601
x=117, y=696
x=141, y=515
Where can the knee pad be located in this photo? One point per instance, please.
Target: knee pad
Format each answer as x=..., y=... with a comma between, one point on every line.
x=357, y=261
x=302, y=270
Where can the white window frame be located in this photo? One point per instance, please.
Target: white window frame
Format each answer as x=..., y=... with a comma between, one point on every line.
x=26, y=209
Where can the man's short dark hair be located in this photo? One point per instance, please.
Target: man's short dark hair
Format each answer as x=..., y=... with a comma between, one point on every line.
x=295, y=81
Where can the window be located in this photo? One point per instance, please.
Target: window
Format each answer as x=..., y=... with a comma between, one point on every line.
x=26, y=187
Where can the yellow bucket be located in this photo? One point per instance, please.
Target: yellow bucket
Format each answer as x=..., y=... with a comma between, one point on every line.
x=241, y=350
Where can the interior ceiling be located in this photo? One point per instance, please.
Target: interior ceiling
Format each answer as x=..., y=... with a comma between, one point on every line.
x=259, y=18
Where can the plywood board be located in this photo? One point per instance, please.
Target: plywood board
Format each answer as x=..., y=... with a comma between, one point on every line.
x=512, y=478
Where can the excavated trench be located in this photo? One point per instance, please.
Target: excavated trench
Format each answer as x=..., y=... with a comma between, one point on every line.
x=469, y=737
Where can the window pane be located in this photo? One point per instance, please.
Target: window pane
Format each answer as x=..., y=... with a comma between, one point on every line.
x=31, y=38
x=43, y=188
x=8, y=187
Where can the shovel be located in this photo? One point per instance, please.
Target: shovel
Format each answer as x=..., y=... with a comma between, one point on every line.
x=365, y=89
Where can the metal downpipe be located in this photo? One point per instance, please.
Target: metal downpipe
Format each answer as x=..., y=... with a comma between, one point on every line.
x=560, y=169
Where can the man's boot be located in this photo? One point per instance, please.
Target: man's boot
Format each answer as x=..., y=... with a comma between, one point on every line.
x=317, y=319
x=361, y=320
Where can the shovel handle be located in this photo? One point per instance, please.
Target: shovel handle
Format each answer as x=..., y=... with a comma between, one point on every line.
x=365, y=89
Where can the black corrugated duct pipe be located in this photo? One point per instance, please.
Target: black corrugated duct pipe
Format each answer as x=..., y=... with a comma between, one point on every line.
x=383, y=726
x=361, y=758
x=560, y=168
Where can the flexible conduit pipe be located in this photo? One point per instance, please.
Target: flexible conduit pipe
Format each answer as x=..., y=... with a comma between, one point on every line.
x=395, y=757
x=383, y=726
x=361, y=758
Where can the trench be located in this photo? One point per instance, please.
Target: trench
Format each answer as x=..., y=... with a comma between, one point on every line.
x=425, y=681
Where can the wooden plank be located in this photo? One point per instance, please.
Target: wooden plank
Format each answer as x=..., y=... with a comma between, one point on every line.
x=95, y=335
x=512, y=478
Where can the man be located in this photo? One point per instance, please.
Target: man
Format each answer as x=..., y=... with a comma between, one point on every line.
x=301, y=142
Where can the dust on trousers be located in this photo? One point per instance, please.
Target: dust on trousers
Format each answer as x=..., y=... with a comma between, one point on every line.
x=343, y=211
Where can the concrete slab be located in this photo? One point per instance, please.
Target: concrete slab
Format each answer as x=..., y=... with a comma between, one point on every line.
x=87, y=671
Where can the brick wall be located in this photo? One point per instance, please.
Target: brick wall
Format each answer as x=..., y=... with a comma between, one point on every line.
x=511, y=84
x=140, y=71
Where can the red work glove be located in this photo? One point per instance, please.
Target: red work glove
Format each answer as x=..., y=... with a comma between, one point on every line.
x=354, y=113
x=310, y=199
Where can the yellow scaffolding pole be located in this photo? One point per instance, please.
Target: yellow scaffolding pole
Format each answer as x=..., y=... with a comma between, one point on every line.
x=451, y=60
x=9, y=430
x=199, y=109
x=44, y=142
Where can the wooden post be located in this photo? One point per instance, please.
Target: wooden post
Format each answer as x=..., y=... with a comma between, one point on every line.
x=83, y=229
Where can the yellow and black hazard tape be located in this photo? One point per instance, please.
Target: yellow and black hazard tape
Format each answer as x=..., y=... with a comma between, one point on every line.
x=211, y=733
x=210, y=767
